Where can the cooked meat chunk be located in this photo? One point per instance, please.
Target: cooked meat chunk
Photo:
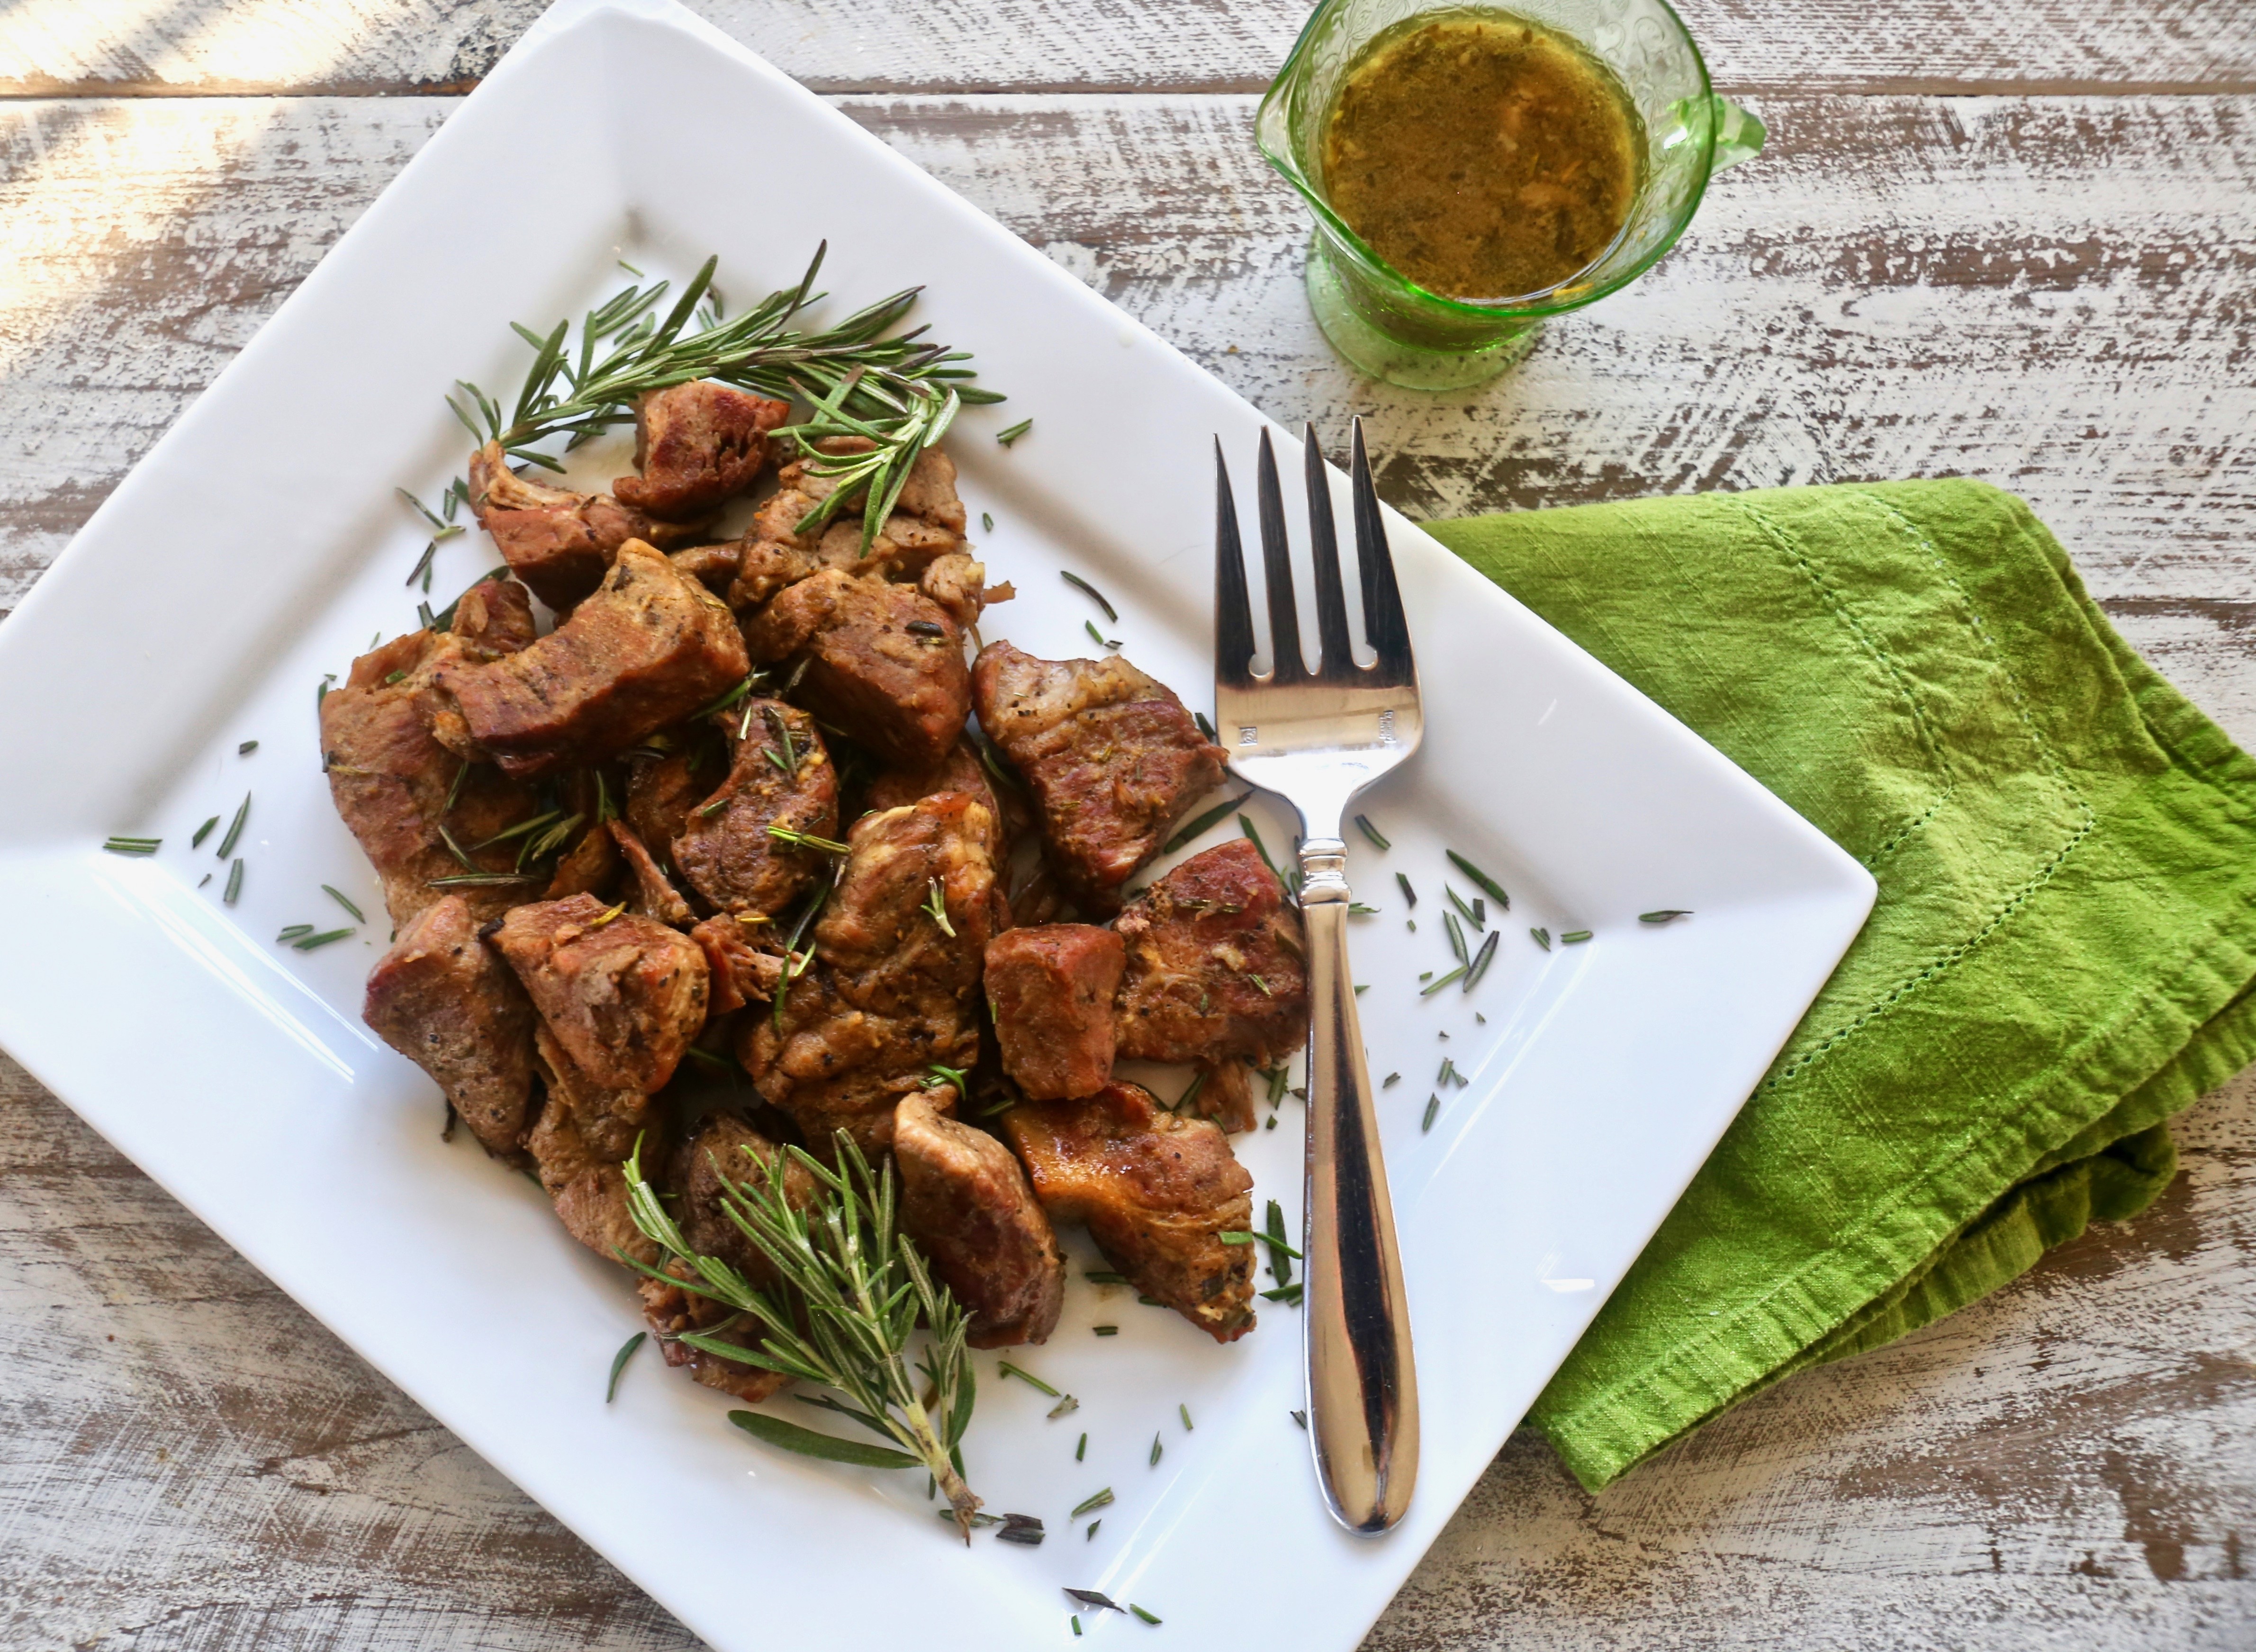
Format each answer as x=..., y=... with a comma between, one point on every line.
x=891, y=991
x=1157, y=1192
x=966, y=1203
x=740, y=973
x=444, y=1000
x=1215, y=966
x=961, y=771
x=714, y=566
x=926, y=523
x=587, y=868
x=698, y=446
x=623, y=994
x=654, y=894
x=782, y=777
x=662, y=791
x=585, y=1131
x=726, y=1146
x=1226, y=1094
x=558, y=542
x=882, y=662
x=1050, y=990
x=959, y=584
x=1111, y=756
x=669, y=1310
x=391, y=780
x=648, y=648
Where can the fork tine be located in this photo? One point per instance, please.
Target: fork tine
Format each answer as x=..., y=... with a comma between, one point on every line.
x=1382, y=599
x=1338, y=661
x=1233, y=610
x=1277, y=572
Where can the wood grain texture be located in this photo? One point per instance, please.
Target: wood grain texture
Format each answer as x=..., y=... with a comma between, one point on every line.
x=225, y=47
x=2050, y=288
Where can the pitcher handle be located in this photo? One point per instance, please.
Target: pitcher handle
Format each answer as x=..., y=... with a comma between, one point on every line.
x=1739, y=134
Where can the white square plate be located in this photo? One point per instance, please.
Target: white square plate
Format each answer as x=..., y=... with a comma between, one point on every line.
x=260, y=543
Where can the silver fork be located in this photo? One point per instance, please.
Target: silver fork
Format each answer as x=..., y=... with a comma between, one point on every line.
x=1318, y=738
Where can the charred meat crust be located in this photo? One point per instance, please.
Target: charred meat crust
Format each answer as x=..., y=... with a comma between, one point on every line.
x=781, y=775
x=967, y=1203
x=1214, y=965
x=1156, y=1191
x=646, y=650
x=697, y=446
x=882, y=663
x=1050, y=990
x=624, y=995
x=444, y=1000
x=1111, y=756
x=558, y=542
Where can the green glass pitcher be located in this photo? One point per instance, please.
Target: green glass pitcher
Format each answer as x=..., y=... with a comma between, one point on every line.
x=1393, y=329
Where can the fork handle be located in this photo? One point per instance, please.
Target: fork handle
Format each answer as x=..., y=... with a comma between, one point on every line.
x=1363, y=1385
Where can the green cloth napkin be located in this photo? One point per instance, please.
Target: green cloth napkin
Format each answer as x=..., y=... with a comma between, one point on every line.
x=2061, y=957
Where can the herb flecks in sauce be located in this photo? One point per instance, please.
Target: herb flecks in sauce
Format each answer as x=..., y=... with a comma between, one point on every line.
x=1482, y=155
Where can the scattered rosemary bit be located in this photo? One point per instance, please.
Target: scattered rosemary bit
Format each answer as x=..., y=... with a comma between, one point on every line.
x=1433, y=1105
x=1245, y=824
x=1158, y=1451
x=1066, y=1406
x=1005, y=438
x=1489, y=885
x=1456, y=938
x=293, y=932
x=1289, y=1294
x=235, y=828
x=1363, y=824
x=1027, y=1377
x=1190, y=1091
x=716, y=806
x=1212, y=816
x=1541, y=936
x=535, y=823
x=132, y=846
x=1458, y=901
x=1075, y=1620
x=1102, y=1276
x=1664, y=915
x=1428, y=992
x=619, y=1363
x=1106, y=1331
x=234, y=883
x=1098, y=636
x=1184, y=1412
x=807, y=840
x=1081, y=1450
x=1390, y=1081
x=1141, y=1612
x=1092, y=593
x=1094, y=1500
x=1274, y=1240
x=858, y=1290
x=1204, y=727
x=1091, y=1597
x=480, y=880
x=1448, y=1070
x=203, y=832
x=205, y=879
x=1573, y=937
x=1480, y=911
x=421, y=510
x=1481, y=958
x=1281, y=1254
x=246, y=749
x=422, y=568
x=986, y=523
x=1356, y=909
x=727, y=700
x=937, y=905
x=1362, y=990
x=1021, y=1528
x=1408, y=894
x=795, y=963
x=1301, y=1417
x=306, y=944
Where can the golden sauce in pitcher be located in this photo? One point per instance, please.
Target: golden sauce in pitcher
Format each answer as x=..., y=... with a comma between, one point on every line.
x=1483, y=155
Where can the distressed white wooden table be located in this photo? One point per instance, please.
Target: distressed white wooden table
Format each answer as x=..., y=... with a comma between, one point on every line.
x=2015, y=241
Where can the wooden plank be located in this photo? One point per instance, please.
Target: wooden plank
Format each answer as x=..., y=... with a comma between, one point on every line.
x=1904, y=286
x=51, y=48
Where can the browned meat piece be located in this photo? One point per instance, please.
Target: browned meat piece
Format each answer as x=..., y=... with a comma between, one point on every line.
x=959, y=584
x=1226, y=1094
x=391, y=780
x=662, y=791
x=441, y=998
x=1111, y=756
x=714, y=566
x=558, y=542
x=654, y=894
x=782, y=777
x=698, y=446
x=740, y=973
x=883, y=663
x=966, y=1203
x=587, y=868
x=1050, y=990
x=1157, y=1192
x=648, y=648
x=623, y=994
x=960, y=771
x=1214, y=965
x=585, y=1131
x=891, y=992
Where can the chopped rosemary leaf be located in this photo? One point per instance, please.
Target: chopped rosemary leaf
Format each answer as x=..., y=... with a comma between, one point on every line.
x=421, y=510
x=1390, y=1081
x=1245, y=824
x=806, y=841
x=1212, y=816
x=1184, y=1412
x=1456, y=938
x=1362, y=990
x=1363, y=824
x=1301, y=1417
x=1190, y=1091
x=727, y=700
x=1428, y=992
x=1091, y=593
x=1541, y=938
x=1158, y=1451
x=1091, y=1598
x=1481, y=958
x=1458, y=901
x=1281, y=1253
x=619, y=1363
x=1289, y=1294
x=1076, y=1618
x=936, y=906
x=481, y=880
x=203, y=832
x=1021, y=1528
x=246, y=749
x=1095, y=1500
x=1106, y=1331
x=1573, y=937
x=1006, y=436
x=423, y=563
x=1065, y=1407
x=205, y=879
x=1098, y=636
x=132, y=846
x=1433, y=1105
x=359, y=917
x=1410, y=924
x=1356, y=909
x=1448, y=1070
x=1489, y=885
x=293, y=932
x=986, y=523
x=719, y=804
x=1664, y=915
x=1100, y=1277
x=307, y=943
x=629, y=268
x=1408, y=894
x=1480, y=910
x=1275, y=1241
x=234, y=883
x=235, y=828
x=1141, y=1612
x=1081, y=1450
x=1204, y=727
x=1027, y=1377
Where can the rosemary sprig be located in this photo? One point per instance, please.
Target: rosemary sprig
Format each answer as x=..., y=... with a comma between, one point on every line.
x=784, y=834
x=850, y=1292
x=935, y=905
